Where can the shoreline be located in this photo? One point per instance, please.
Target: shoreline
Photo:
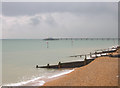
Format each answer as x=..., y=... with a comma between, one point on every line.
x=40, y=81
x=71, y=78
x=103, y=71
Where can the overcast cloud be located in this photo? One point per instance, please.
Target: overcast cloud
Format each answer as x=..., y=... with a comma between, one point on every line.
x=61, y=19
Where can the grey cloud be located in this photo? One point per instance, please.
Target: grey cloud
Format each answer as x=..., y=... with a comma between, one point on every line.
x=35, y=21
x=0, y=8
x=66, y=25
x=32, y=8
x=59, y=19
x=50, y=20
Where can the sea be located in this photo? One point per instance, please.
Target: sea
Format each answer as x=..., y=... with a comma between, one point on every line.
x=20, y=57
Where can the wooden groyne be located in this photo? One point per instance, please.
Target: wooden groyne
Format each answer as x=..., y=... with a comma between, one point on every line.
x=78, y=63
x=101, y=52
x=68, y=64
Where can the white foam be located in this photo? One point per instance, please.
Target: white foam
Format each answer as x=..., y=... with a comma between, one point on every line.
x=39, y=83
x=99, y=51
x=25, y=82
x=60, y=74
x=98, y=55
x=104, y=54
x=114, y=46
x=89, y=57
x=93, y=55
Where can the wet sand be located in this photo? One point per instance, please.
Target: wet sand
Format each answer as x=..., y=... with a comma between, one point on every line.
x=103, y=71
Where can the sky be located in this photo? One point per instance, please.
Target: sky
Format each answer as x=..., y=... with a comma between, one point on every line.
x=38, y=20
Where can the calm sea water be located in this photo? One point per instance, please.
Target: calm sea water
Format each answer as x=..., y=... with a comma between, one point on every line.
x=21, y=55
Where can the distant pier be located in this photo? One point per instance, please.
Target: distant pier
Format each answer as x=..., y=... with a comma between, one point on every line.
x=82, y=39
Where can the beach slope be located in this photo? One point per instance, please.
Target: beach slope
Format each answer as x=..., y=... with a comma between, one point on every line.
x=103, y=71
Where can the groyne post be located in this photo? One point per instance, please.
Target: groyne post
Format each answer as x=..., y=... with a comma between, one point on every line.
x=95, y=54
x=90, y=55
x=48, y=65
x=80, y=55
x=36, y=66
x=59, y=65
x=85, y=60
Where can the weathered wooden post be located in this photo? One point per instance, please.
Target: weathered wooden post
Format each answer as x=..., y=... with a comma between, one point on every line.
x=110, y=55
x=48, y=65
x=80, y=55
x=90, y=55
x=95, y=54
x=59, y=65
x=36, y=66
x=85, y=60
